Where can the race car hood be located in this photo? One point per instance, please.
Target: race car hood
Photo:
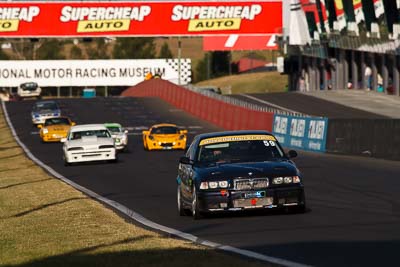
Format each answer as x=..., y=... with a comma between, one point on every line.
x=58, y=128
x=165, y=137
x=90, y=141
x=47, y=111
x=118, y=135
x=254, y=169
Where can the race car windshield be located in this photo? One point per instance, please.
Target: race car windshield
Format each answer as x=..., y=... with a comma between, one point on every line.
x=45, y=106
x=240, y=151
x=56, y=121
x=114, y=129
x=165, y=130
x=80, y=134
x=29, y=86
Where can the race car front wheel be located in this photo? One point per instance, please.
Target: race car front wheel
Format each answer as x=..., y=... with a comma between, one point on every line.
x=195, y=205
x=181, y=210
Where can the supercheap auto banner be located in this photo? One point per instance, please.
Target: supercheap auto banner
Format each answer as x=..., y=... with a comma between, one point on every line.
x=163, y=18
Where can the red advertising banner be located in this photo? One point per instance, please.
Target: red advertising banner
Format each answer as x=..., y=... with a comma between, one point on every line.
x=311, y=6
x=240, y=42
x=164, y=18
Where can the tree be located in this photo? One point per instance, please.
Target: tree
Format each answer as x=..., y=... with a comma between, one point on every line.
x=220, y=63
x=201, y=72
x=50, y=49
x=3, y=56
x=98, y=50
x=137, y=48
x=165, y=52
x=76, y=52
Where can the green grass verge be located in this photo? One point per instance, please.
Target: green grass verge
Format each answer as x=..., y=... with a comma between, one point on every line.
x=45, y=222
x=260, y=82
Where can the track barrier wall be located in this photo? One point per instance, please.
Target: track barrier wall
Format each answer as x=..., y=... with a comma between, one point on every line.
x=222, y=114
x=306, y=133
x=379, y=138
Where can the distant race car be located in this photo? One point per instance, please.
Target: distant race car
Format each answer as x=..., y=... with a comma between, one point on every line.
x=29, y=89
x=119, y=134
x=43, y=110
x=54, y=129
x=164, y=136
x=88, y=142
x=238, y=170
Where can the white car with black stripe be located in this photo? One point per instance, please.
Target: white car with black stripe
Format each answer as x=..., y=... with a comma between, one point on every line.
x=88, y=142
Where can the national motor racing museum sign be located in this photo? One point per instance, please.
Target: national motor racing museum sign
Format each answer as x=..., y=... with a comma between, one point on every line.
x=163, y=18
x=117, y=72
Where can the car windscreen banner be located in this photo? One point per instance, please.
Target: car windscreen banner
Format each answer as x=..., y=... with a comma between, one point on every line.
x=162, y=18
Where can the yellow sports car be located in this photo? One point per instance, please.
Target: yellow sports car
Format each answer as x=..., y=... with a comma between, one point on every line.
x=55, y=128
x=164, y=136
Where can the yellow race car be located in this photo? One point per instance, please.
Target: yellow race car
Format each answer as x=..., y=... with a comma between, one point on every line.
x=164, y=136
x=55, y=128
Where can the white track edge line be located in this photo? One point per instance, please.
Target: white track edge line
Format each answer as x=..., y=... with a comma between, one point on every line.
x=139, y=218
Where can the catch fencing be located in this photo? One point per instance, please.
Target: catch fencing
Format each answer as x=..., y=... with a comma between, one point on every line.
x=379, y=138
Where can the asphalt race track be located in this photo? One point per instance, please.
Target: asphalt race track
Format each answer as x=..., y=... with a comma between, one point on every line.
x=309, y=105
x=354, y=216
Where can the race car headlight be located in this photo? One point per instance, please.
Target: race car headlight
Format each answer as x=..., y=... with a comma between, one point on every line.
x=45, y=131
x=296, y=179
x=213, y=185
x=223, y=184
x=182, y=136
x=277, y=180
x=75, y=148
x=106, y=146
x=287, y=180
x=204, y=185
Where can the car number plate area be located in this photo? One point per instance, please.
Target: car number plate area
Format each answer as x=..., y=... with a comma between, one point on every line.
x=256, y=194
x=167, y=147
x=252, y=202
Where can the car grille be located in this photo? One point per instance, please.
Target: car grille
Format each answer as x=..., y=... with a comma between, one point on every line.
x=249, y=184
x=166, y=144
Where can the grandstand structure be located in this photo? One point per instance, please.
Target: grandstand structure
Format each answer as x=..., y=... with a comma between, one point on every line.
x=342, y=44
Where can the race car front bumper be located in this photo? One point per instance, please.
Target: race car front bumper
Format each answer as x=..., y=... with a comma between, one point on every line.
x=160, y=145
x=96, y=155
x=234, y=200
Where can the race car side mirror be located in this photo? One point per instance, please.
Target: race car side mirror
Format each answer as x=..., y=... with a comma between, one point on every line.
x=292, y=154
x=185, y=160
x=73, y=123
x=126, y=131
x=39, y=126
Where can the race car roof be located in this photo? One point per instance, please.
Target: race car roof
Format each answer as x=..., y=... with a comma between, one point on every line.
x=88, y=127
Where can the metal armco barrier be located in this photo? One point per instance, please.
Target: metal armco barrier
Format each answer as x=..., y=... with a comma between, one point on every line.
x=305, y=133
x=212, y=109
x=379, y=138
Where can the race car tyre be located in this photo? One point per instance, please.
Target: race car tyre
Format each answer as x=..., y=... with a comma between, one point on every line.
x=195, y=205
x=66, y=163
x=181, y=210
x=114, y=160
x=297, y=209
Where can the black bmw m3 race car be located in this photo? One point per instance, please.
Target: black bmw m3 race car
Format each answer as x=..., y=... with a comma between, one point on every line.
x=238, y=170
